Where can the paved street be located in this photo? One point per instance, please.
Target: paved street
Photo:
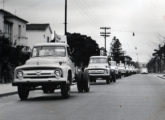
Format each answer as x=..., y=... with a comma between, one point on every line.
x=138, y=97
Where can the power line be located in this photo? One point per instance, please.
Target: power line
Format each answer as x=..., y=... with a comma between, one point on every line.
x=105, y=34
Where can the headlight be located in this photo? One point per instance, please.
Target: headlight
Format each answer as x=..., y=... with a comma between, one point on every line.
x=58, y=73
x=106, y=72
x=19, y=74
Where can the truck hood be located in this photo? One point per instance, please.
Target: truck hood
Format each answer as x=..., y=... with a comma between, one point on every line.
x=45, y=61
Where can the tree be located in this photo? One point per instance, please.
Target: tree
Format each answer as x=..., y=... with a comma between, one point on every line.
x=157, y=63
x=83, y=47
x=10, y=57
x=116, y=50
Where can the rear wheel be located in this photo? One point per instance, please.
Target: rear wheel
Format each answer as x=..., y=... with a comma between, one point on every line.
x=86, y=82
x=79, y=82
x=23, y=92
x=114, y=78
x=108, y=80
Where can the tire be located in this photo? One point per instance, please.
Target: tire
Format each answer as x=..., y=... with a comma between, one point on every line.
x=92, y=79
x=86, y=81
x=45, y=89
x=23, y=92
x=120, y=75
x=79, y=82
x=65, y=90
x=108, y=80
x=51, y=90
x=114, y=78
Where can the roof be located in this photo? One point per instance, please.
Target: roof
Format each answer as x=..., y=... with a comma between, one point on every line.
x=128, y=57
x=10, y=15
x=51, y=44
x=41, y=27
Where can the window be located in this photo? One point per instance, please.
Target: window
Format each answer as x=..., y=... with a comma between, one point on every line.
x=44, y=51
x=98, y=60
x=19, y=31
x=8, y=29
x=47, y=39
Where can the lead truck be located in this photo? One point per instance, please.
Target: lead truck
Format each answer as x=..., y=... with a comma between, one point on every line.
x=50, y=67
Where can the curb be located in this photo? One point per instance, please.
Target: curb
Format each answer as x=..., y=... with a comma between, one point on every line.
x=7, y=94
x=161, y=77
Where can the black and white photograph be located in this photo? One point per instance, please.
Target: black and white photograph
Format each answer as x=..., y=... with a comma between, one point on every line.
x=82, y=60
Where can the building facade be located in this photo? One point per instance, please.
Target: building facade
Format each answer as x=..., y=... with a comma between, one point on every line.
x=13, y=28
x=38, y=33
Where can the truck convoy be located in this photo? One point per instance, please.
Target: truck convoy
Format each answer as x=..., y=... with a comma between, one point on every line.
x=50, y=67
x=106, y=69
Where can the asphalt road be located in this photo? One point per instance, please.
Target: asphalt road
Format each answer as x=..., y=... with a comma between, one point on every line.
x=138, y=97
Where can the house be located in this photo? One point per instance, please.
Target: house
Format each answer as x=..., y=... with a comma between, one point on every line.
x=38, y=33
x=13, y=28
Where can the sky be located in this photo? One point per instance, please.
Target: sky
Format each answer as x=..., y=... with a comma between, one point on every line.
x=146, y=18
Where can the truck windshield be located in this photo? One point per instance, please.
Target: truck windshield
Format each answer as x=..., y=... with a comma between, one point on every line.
x=44, y=51
x=98, y=60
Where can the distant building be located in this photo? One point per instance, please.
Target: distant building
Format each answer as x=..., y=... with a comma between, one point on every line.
x=142, y=65
x=38, y=33
x=13, y=28
x=127, y=59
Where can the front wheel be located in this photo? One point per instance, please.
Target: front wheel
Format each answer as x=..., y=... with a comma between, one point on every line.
x=65, y=90
x=114, y=78
x=23, y=92
x=108, y=80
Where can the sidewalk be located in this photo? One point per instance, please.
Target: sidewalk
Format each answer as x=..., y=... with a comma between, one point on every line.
x=160, y=75
x=7, y=89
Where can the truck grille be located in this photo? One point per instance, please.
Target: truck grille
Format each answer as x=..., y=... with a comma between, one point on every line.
x=96, y=71
x=38, y=73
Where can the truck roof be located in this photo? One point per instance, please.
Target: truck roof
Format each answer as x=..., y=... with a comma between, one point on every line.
x=50, y=44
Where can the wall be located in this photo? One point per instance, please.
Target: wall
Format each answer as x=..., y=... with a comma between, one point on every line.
x=23, y=38
x=37, y=36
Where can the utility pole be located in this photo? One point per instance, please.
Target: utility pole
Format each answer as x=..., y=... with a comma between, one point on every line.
x=65, y=23
x=137, y=54
x=105, y=34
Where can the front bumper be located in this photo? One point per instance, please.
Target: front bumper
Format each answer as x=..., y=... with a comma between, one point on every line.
x=99, y=75
x=38, y=82
x=103, y=76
